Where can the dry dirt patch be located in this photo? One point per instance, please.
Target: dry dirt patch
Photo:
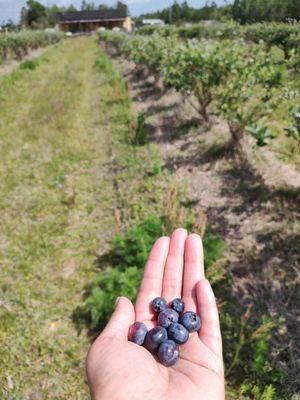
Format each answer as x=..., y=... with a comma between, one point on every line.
x=11, y=64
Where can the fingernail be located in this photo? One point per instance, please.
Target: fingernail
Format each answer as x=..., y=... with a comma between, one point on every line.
x=117, y=300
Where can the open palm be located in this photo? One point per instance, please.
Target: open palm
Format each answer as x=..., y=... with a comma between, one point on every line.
x=118, y=369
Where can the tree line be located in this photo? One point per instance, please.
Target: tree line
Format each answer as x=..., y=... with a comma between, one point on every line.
x=35, y=15
x=243, y=11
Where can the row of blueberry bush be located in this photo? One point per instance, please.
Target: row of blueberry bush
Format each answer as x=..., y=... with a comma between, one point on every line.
x=16, y=45
x=241, y=82
x=284, y=36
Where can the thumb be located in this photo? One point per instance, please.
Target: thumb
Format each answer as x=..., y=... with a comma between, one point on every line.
x=121, y=319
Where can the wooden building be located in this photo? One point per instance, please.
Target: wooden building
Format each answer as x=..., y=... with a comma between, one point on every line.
x=88, y=21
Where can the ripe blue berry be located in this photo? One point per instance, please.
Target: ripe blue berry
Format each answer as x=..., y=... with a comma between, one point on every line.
x=191, y=321
x=178, y=333
x=155, y=337
x=167, y=317
x=177, y=305
x=168, y=353
x=159, y=304
x=137, y=333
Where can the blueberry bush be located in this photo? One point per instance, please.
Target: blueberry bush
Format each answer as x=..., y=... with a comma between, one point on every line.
x=240, y=82
x=16, y=45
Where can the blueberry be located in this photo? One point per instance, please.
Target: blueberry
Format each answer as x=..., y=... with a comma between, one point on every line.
x=167, y=317
x=159, y=304
x=178, y=333
x=168, y=353
x=177, y=305
x=155, y=337
x=191, y=321
x=137, y=333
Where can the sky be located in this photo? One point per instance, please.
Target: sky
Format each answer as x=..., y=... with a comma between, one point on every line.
x=10, y=9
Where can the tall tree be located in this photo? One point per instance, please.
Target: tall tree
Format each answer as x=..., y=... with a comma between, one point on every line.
x=85, y=5
x=265, y=10
x=103, y=7
x=121, y=6
x=52, y=17
x=71, y=8
x=34, y=14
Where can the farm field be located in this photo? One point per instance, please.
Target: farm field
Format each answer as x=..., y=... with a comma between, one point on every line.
x=53, y=192
x=96, y=162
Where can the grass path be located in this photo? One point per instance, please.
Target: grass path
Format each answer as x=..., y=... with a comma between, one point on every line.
x=56, y=204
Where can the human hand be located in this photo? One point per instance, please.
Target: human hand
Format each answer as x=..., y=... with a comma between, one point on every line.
x=121, y=370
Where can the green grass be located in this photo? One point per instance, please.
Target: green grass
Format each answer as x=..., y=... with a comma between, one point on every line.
x=55, y=202
x=65, y=171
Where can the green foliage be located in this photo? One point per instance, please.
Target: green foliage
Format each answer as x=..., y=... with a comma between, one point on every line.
x=247, y=11
x=285, y=36
x=178, y=13
x=18, y=44
x=29, y=64
x=294, y=130
x=239, y=80
x=132, y=247
x=148, y=50
x=108, y=286
x=260, y=134
x=156, y=166
x=249, y=92
x=213, y=246
x=141, y=133
x=34, y=14
x=267, y=393
x=248, y=366
x=294, y=60
x=261, y=347
x=198, y=68
x=250, y=391
x=273, y=34
x=244, y=11
x=103, y=64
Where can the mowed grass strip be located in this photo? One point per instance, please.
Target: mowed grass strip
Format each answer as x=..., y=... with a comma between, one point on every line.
x=57, y=209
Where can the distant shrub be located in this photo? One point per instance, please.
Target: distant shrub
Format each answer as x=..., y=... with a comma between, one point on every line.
x=132, y=247
x=293, y=131
x=29, y=64
x=108, y=286
x=140, y=134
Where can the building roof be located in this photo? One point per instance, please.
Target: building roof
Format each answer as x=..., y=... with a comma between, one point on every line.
x=97, y=15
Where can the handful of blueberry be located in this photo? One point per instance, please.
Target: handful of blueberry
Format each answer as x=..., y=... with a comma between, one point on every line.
x=173, y=329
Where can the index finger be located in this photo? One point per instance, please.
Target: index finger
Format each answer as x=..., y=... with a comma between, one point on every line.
x=151, y=285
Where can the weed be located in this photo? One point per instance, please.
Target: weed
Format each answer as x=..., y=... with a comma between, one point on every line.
x=293, y=131
x=139, y=130
x=29, y=64
x=260, y=134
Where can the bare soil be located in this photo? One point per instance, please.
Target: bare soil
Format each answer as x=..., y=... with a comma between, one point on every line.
x=253, y=206
x=11, y=64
